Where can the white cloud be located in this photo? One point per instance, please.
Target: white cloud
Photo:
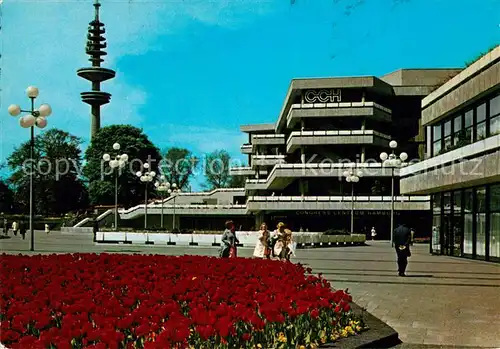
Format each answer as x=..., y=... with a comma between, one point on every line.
x=44, y=42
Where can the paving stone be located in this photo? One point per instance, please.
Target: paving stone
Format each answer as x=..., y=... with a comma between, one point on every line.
x=443, y=301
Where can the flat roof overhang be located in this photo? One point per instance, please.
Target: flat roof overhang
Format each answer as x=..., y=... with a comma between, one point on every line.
x=297, y=85
x=481, y=77
x=258, y=128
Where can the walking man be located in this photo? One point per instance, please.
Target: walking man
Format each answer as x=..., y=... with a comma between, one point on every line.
x=402, y=239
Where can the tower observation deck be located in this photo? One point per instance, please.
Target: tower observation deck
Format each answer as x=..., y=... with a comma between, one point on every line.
x=96, y=43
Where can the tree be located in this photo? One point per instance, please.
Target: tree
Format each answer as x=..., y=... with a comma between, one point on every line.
x=6, y=198
x=217, y=169
x=139, y=149
x=56, y=166
x=178, y=166
x=217, y=166
x=237, y=182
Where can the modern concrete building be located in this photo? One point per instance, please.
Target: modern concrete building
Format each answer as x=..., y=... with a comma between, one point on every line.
x=462, y=166
x=296, y=165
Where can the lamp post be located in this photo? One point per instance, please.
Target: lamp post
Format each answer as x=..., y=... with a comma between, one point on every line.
x=162, y=186
x=392, y=160
x=116, y=164
x=352, y=176
x=146, y=177
x=174, y=191
x=34, y=117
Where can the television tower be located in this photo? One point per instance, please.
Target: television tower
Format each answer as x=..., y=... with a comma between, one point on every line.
x=96, y=74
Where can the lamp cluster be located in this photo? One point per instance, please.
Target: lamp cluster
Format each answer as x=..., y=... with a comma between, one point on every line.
x=146, y=176
x=353, y=176
x=119, y=161
x=392, y=160
x=164, y=186
x=36, y=116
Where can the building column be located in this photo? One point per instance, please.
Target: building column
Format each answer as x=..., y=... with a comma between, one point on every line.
x=363, y=128
x=302, y=155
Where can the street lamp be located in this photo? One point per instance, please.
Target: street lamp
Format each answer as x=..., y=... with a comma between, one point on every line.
x=174, y=191
x=162, y=186
x=352, y=176
x=34, y=117
x=146, y=177
x=116, y=164
x=392, y=160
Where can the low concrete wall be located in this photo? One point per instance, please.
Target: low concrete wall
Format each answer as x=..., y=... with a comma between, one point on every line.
x=246, y=238
x=77, y=230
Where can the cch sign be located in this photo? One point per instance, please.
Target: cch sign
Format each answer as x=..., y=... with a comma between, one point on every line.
x=323, y=96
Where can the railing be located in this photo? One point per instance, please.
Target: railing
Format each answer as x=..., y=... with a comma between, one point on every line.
x=268, y=157
x=336, y=133
x=272, y=135
x=337, y=105
x=349, y=198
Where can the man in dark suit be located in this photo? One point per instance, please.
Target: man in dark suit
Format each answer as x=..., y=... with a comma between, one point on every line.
x=402, y=239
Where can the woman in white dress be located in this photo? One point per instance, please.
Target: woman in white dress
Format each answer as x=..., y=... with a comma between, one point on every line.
x=261, y=247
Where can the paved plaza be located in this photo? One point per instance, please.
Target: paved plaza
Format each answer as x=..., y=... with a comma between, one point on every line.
x=443, y=301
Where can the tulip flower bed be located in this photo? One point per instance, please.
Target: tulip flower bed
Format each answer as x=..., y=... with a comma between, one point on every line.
x=145, y=301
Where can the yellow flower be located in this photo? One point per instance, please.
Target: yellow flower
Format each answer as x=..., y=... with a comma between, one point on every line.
x=259, y=345
x=302, y=347
x=358, y=328
x=282, y=337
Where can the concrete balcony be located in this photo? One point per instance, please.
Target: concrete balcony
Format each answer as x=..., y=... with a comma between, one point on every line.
x=302, y=138
x=284, y=174
x=246, y=171
x=246, y=149
x=472, y=165
x=267, y=160
x=268, y=139
x=332, y=110
x=256, y=184
x=293, y=203
x=193, y=209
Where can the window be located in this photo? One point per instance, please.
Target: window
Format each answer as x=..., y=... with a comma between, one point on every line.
x=468, y=220
x=495, y=116
x=457, y=128
x=481, y=122
x=436, y=139
x=447, y=202
x=447, y=135
x=481, y=221
x=436, y=203
x=495, y=220
x=436, y=227
x=468, y=126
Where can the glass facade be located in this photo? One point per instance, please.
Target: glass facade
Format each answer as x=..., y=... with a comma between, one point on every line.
x=467, y=126
x=466, y=223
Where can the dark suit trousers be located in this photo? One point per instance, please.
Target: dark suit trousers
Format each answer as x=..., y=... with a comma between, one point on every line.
x=402, y=259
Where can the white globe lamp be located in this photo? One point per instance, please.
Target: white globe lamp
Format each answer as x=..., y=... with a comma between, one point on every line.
x=45, y=110
x=32, y=92
x=14, y=109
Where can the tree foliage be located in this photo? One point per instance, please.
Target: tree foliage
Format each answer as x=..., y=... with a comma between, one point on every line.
x=57, y=184
x=217, y=174
x=6, y=198
x=178, y=166
x=139, y=149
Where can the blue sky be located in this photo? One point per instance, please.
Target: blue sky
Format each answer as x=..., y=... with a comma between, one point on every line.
x=189, y=72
